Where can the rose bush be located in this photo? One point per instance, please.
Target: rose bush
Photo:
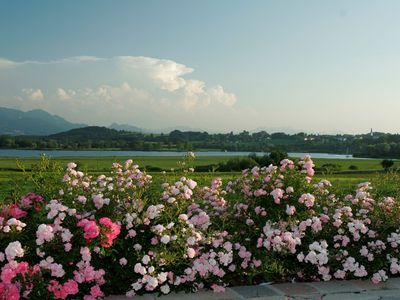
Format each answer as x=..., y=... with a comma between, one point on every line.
x=122, y=234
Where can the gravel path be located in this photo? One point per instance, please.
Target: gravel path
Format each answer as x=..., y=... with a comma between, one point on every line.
x=341, y=290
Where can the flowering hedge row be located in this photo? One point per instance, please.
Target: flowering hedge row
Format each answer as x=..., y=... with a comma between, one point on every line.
x=118, y=233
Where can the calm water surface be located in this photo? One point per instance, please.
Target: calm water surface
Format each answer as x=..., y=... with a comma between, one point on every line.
x=64, y=153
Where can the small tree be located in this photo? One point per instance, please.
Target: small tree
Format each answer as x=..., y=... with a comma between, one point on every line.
x=277, y=155
x=387, y=164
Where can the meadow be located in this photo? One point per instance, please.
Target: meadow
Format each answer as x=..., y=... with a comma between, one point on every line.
x=346, y=174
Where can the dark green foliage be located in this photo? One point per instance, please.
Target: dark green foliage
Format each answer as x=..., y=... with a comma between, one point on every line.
x=237, y=164
x=241, y=163
x=387, y=164
x=277, y=156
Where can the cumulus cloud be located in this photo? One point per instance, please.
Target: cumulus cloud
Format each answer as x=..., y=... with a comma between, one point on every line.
x=166, y=73
x=34, y=94
x=65, y=94
x=137, y=90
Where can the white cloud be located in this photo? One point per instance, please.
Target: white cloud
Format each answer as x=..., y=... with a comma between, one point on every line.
x=34, y=94
x=166, y=73
x=4, y=63
x=218, y=93
x=142, y=91
x=63, y=94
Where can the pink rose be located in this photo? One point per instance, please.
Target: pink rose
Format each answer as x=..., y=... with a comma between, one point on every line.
x=7, y=275
x=16, y=212
x=71, y=287
x=13, y=292
x=96, y=292
x=191, y=252
x=90, y=228
x=22, y=267
x=32, y=199
x=111, y=231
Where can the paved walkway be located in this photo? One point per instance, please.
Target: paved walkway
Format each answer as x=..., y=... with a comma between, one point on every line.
x=341, y=290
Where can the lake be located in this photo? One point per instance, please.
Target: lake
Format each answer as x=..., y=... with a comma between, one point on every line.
x=66, y=153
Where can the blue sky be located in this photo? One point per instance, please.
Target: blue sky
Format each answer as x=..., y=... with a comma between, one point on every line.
x=318, y=66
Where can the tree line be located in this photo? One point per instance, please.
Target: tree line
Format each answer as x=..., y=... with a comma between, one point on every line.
x=381, y=145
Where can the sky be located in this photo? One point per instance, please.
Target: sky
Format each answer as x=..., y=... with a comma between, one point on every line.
x=227, y=65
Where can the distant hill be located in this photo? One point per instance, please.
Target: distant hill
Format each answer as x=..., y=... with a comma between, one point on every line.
x=131, y=128
x=180, y=128
x=34, y=122
x=89, y=132
x=287, y=130
x=126, y=127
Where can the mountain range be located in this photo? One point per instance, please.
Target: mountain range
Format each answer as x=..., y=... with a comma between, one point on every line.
x=126, y=127
x=34, y=122
x=41, y=123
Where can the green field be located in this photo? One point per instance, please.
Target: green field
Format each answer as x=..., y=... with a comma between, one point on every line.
x=104, y=163
x=366, y=169
x=165, y=162
x=363, y=165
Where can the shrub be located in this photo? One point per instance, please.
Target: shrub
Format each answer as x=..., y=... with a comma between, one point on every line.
x=237, y=164
x=275, y=157
x=118, y=233
x=387, y=164
x=330, y=168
